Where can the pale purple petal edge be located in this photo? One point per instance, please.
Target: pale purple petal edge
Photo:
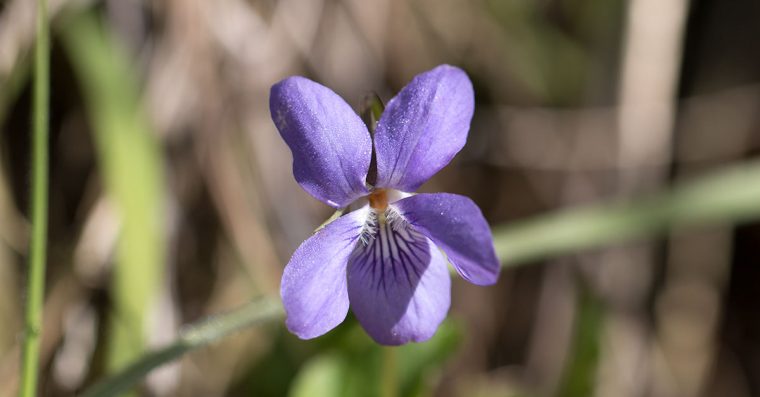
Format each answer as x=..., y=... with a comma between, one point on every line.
x=457, y=226
x=313, y=286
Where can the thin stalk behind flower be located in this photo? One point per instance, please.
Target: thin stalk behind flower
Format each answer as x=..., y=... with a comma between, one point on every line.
x=372, y=109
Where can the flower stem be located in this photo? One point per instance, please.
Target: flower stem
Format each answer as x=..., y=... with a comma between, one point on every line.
x=259, y=311
x=389, y=386
x=39, y=196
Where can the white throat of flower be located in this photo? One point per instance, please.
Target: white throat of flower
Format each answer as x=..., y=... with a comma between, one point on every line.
x=381, y=213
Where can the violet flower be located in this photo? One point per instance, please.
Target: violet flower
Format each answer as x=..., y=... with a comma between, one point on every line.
x=383, y=257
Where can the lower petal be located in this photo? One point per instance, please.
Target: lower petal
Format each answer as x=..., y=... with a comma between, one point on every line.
x=399, y=286
x=313, y=287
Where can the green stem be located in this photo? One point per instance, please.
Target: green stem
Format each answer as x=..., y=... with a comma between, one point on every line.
x=389, y=385
x=39, y=196
x=337, y=214
x=259, y=311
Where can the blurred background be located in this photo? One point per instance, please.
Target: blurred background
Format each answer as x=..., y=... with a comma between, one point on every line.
x=172, y=196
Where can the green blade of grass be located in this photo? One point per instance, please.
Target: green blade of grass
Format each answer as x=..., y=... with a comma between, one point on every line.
x=583, y=360
x=39, y=206
x=131, y=164
x=729, y=196
x=259, y=311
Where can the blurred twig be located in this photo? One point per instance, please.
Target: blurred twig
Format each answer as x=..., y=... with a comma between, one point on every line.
x=729, y=196
x=564, y=140
x=260, y=311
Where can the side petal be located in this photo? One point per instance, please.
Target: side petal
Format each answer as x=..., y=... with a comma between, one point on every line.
x=313, y=287
x=457, y=226
x=399, y=286
x=423, y=127
x=330, y=144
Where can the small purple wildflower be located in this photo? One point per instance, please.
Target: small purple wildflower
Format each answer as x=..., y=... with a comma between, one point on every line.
x=383, y=257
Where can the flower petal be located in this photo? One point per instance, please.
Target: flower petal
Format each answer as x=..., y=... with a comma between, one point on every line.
x=423, y=127
x=313, y=285
x=330, y=144
x=399, y=286
x=457, y=226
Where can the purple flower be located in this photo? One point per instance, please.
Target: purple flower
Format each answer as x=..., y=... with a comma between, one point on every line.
x=384, y=257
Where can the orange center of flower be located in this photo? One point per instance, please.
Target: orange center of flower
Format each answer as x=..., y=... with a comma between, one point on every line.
x=378, y=199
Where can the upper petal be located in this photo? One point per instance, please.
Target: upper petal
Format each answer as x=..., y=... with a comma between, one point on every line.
x=423, y=127
x=330, y=144
x=399, y=286
x=313, y=285
x=457, y=226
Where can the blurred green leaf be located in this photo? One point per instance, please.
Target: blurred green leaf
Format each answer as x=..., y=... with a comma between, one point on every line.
x=353, y=366
x=420, y=362
x=730, y=195
x=551, y=63
x=579, y=376
x=323, y=375
x=131, y=163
